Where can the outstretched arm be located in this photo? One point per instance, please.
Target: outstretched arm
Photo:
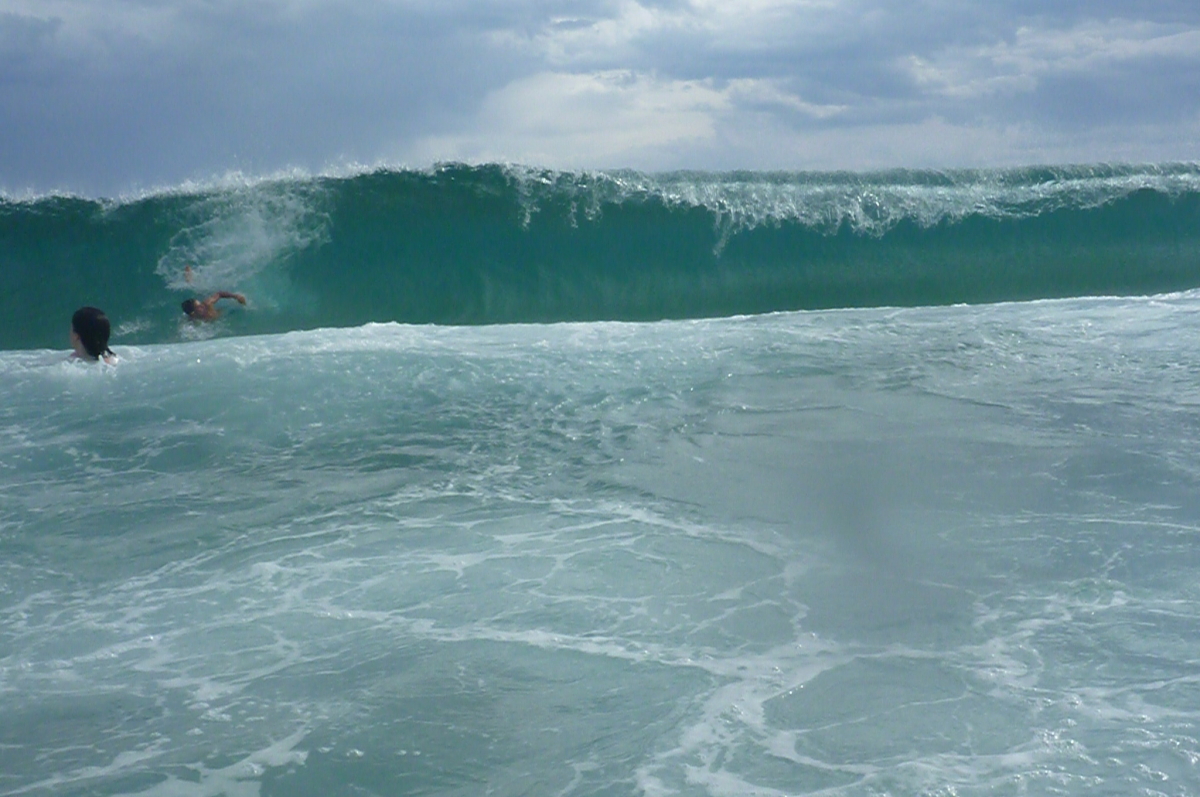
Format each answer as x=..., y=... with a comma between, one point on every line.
x=211, y=300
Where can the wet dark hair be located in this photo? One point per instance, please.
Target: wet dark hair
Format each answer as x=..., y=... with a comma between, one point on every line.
x=93, y=329
x=189, y=305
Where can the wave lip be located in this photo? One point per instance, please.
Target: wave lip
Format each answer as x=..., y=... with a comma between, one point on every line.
x=461, y=244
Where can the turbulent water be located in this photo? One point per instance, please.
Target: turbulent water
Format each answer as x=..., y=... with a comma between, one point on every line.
x=876, y=550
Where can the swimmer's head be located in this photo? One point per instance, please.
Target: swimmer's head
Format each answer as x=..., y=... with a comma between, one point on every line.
x=90, y=326
x=189, y=306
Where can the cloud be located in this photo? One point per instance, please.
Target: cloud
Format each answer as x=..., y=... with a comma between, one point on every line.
x=636, y=34
x=574, y=120
x=1019, y=64
x=102, y=95
x=612, y=119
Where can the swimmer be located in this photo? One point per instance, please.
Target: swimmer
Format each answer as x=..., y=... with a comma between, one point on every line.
x=89, y=336
x=206, y=309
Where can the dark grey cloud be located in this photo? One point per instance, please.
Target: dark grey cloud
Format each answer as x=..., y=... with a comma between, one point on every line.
x=215, y=87
x=108, y=95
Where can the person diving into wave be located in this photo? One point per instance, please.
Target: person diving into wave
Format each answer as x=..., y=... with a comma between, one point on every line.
x=206, y=309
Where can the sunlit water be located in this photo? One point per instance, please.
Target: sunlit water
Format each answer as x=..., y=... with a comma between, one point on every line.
x=937, y=551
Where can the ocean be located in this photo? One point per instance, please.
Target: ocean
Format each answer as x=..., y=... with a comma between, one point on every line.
x=508, y=481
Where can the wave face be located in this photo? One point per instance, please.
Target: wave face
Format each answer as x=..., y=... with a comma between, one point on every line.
x=500, y=244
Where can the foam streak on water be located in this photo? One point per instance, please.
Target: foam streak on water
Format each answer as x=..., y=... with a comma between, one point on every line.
x=927, y=551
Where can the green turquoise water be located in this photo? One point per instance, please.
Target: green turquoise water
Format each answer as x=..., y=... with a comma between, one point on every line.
x=491, y=244
x=879, y=550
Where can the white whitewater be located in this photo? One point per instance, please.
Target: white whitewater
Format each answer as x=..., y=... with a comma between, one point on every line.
x=929, y=551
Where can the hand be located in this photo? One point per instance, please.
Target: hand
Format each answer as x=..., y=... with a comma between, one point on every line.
x=241, y=299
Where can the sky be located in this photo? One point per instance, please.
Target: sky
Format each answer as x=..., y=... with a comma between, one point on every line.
x=105, y=97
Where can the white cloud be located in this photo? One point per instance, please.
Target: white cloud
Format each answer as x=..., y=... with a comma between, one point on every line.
x=566, y=39
x=630, y=29
x=1009, y=67
x=758, y=24
x=1092, y=44
x=609, y=118
x=748, y=91
x=568, y=120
